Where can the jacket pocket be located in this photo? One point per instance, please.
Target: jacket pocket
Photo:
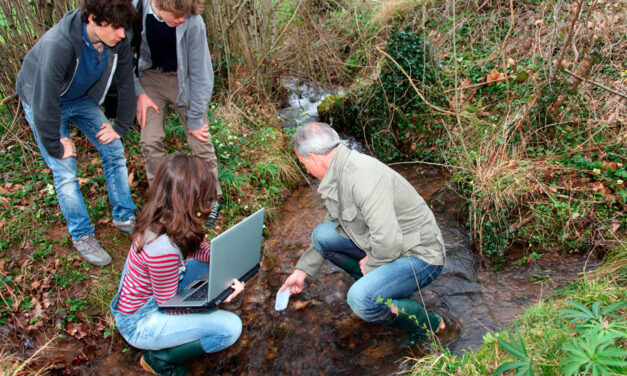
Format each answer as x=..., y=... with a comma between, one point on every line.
x=353, y=222
x=411, y=240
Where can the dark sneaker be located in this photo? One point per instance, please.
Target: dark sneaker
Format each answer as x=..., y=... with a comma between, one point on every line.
x=212, y=218
x=91, y=250
x=126, y=226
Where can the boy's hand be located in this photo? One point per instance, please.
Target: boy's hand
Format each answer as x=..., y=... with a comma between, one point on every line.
x=143, y=104
x=107, y=134
x=69, y=150
x=201, y=134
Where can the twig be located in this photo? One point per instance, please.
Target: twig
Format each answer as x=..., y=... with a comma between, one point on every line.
x=480, y=323
x=411, y=81
x=238, y=10
x=32, y=357
x=270, y=50
x=6, y=100
x=503, y=47
x=558, y=63
x=595, y=83
x=480, y=84
x=429, y=163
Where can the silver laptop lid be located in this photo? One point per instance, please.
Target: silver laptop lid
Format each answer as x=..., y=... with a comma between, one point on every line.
x=234, y=253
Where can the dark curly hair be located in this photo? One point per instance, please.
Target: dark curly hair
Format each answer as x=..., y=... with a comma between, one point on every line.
x=117, y=13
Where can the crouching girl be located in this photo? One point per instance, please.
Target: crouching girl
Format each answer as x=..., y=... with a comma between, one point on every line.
x=167, y=254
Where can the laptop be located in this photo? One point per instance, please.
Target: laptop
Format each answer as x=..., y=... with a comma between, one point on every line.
x=235, y=254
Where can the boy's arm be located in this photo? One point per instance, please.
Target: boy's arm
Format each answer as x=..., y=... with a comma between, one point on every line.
x=200, y=73
x=54, y=61
x=126, y=89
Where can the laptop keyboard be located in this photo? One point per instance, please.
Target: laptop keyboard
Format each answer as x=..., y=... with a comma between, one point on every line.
x=199, y=294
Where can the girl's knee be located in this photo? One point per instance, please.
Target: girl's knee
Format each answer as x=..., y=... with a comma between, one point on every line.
x=232, y=330
x=229, y=331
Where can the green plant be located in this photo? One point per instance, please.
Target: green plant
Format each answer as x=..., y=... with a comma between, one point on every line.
x=594, y=354
x=524, y=364
x=593, y=350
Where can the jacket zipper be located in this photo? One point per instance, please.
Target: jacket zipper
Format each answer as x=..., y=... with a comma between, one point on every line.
x=114, y=66
x=72, y=80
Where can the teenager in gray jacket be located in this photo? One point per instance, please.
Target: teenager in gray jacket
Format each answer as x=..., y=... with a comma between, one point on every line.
x=175, y=69
x=64, y=78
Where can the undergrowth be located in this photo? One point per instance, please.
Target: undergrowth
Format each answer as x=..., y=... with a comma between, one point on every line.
x=582, y=326
x=491, y=92
x=46, y=287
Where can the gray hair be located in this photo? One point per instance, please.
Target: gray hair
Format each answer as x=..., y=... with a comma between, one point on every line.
x=315, y=138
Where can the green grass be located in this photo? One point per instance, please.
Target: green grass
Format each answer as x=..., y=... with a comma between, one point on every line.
x=544, y=331
x=45, y=284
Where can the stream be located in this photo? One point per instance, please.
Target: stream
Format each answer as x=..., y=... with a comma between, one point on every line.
x=319, y=335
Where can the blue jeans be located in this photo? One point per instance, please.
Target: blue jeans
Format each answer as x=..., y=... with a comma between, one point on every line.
x=395, y=280
x=149, y=329
x=88, y=117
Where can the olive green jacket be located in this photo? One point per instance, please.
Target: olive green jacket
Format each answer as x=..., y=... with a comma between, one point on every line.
x=376, y=208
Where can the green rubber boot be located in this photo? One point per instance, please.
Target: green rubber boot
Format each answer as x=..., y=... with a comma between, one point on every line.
x=169, y=362
x=418, y=326
x=351, y=266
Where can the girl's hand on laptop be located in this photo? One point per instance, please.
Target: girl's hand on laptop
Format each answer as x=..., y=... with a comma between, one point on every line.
x=237, y=287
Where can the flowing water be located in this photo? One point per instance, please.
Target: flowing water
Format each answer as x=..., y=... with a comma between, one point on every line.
x=318, y=334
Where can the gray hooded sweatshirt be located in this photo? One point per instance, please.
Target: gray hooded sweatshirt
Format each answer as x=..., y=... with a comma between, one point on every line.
x=48, y=71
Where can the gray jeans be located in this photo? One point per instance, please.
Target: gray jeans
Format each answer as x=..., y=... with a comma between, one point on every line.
x=162, y=88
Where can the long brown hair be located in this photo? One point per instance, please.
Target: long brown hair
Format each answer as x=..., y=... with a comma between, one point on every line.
x=179, y=200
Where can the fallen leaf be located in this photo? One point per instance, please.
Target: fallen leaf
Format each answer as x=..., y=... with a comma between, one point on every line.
x=597, y=186
x=75, y=330
x=48, y=300
x=299, y=304
x=494, y=76
x=101, y=326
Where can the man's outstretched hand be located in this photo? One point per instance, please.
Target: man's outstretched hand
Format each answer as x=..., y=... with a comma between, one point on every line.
x=295, y=282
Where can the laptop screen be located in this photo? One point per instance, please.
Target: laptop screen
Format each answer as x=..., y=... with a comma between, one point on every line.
x=234, y=253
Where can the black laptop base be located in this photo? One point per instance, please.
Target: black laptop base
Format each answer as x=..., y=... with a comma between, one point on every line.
x=215, y=302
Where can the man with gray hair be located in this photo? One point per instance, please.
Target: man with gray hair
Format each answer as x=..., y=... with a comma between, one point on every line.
x=378, y=229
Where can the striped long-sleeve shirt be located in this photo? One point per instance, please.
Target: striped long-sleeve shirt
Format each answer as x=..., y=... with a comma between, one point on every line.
x=154, y=271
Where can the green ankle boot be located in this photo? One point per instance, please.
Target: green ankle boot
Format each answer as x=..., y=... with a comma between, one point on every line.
x=417, y=329
x=351, y=266
x=169, y=362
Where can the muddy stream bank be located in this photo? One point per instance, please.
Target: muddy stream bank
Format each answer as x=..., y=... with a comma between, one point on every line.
x=318, y=335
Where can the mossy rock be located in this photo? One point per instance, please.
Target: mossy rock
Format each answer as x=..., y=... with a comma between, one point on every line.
x=325, y=109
